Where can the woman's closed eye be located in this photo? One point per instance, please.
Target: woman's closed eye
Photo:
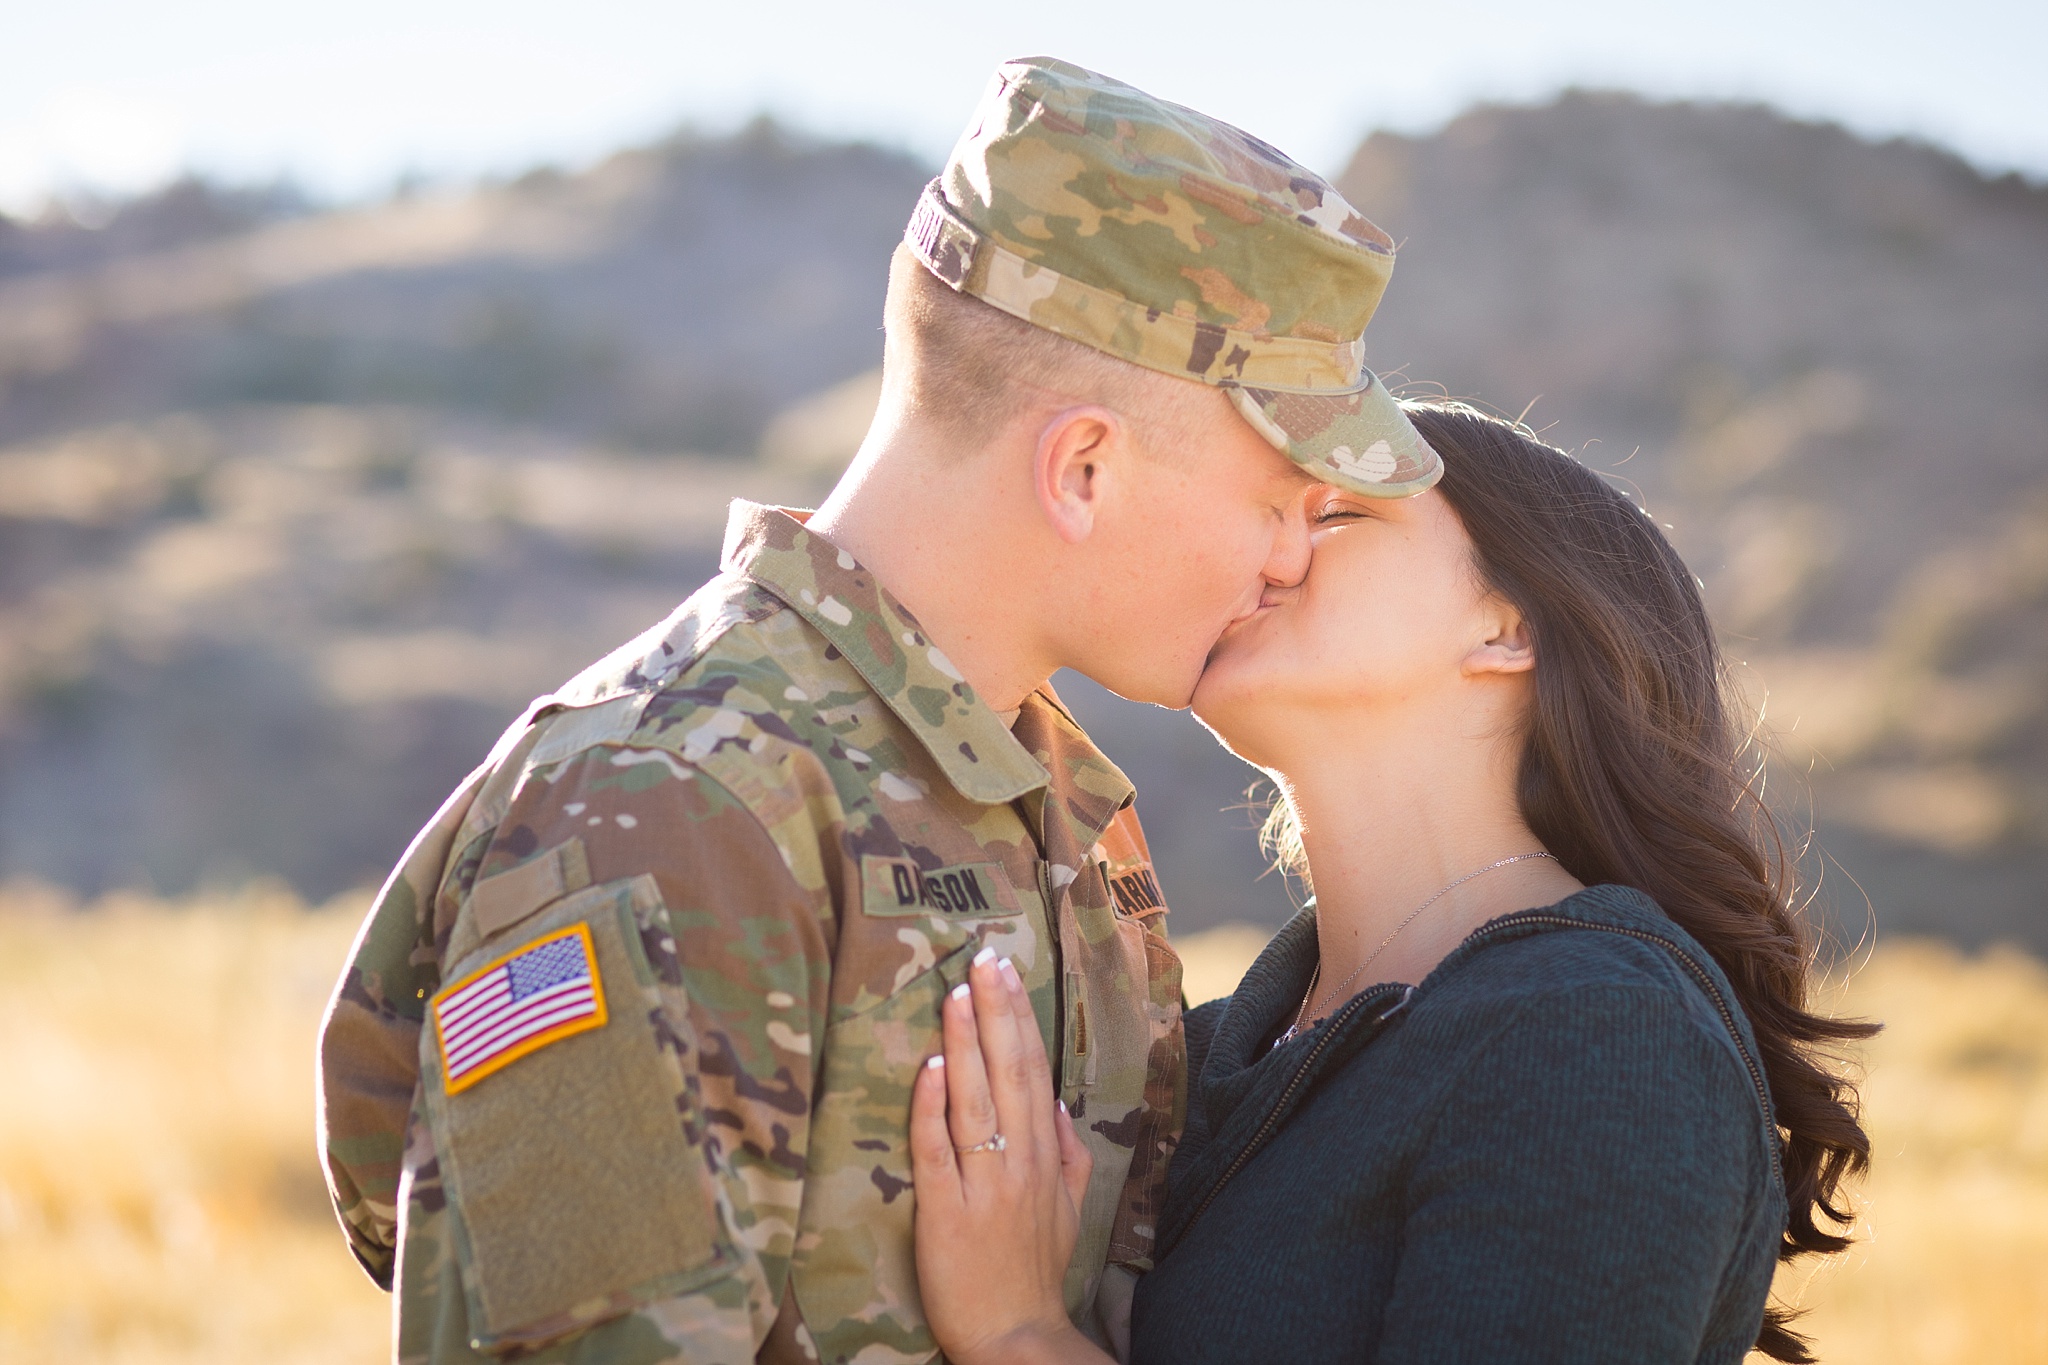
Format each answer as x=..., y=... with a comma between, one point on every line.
x=1336, y=511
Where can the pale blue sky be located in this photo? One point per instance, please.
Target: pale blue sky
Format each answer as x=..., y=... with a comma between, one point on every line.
x=119, y=94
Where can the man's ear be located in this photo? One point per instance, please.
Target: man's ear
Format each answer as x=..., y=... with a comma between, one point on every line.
x=1070, y=471
x=1509, y=646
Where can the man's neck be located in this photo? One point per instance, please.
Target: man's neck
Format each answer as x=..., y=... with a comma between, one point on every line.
x=934, y=532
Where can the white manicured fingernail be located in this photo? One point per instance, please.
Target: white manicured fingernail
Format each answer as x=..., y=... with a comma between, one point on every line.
x=1009, y=971
x=960, y=992
x=1061, y=1103
x=935, y=1061
x=982, y=958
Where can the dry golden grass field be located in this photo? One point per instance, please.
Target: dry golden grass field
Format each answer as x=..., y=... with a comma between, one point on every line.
x=160, y=1203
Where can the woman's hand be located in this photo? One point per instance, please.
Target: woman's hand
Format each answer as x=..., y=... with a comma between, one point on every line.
x=1000, y=1175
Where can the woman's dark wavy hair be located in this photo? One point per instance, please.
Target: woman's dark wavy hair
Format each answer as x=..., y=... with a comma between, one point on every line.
x=1635, y=771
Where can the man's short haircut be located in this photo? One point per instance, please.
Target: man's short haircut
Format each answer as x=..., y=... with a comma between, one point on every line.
x=971, y=367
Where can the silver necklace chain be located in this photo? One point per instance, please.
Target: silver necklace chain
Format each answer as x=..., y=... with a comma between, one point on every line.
x=1301, y=1014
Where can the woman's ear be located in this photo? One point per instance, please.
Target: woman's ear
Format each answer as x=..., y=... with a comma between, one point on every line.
x=1070, y=468
x=1509, y=645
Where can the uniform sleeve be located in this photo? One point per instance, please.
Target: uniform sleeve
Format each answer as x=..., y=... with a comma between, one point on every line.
x=735, y=962
x=753, y=947
x=369, y=1042
x=1583, y=1193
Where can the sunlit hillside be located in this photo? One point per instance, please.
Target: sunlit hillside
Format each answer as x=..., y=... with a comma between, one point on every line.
x=298, y=507
x=159, y=1198
x=160, y=1202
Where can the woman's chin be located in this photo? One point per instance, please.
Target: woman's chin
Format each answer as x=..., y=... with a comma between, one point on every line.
x=1224, y=703
x=1213, y=690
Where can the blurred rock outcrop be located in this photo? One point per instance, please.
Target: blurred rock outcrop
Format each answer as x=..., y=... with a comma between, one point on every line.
x=1824, y=364
x=820, y=435
x=671, y=298
x=296, y=508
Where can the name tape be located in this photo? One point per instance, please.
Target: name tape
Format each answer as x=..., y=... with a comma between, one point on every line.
x=898, y=886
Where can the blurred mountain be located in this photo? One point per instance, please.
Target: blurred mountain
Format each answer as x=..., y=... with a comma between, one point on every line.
x=1824, y=364
x=674, y=297
x=84, y=230
x=297, y=507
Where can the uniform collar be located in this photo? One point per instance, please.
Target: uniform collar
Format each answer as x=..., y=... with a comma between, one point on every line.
x=843, y=602
x=1068, y=819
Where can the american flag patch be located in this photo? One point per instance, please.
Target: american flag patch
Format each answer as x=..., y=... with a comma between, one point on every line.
x=517, y=1005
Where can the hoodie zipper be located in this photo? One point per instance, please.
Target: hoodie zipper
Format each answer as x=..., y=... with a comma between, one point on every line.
x=1272, y=1120
x=1692, y=967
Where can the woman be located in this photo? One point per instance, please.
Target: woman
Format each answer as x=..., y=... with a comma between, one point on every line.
x=1533, y=1078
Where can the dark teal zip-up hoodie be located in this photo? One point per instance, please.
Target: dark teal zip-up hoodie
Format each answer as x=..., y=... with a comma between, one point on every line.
x=1558, y=1147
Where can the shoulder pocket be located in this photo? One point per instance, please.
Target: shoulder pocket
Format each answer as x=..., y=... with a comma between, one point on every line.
x=555, y=1069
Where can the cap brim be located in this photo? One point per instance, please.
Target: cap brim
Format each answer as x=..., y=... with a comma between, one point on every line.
x=1357, y=439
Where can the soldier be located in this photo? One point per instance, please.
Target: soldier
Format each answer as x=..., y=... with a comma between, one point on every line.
x=619, y=1068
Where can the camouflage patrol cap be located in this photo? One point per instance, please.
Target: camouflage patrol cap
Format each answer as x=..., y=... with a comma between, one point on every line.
x=1177, y=242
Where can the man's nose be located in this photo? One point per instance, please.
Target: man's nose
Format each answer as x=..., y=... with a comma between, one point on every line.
x=1287, y=565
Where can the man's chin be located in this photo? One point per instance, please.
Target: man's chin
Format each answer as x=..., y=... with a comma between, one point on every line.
x=1172, y=691
x=1173, y=698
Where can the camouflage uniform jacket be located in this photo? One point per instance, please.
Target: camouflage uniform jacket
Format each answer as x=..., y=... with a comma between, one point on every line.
x=778, y=825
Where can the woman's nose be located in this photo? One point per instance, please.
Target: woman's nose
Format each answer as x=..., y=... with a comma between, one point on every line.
x=1287, y=565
